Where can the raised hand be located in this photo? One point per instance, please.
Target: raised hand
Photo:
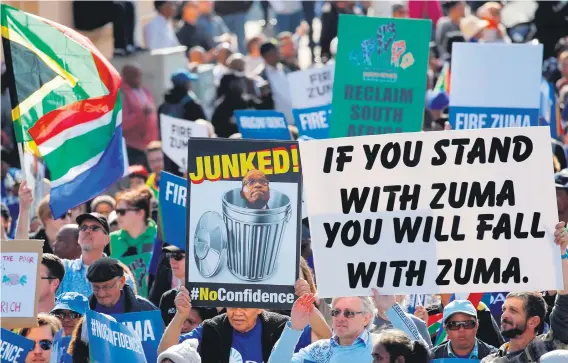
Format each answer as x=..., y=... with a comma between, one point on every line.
x=301, y=288
x=183, y=302
x=561, y=236
x=302, y=311
x=382, y=302
x=26, y=196
x=421, y=313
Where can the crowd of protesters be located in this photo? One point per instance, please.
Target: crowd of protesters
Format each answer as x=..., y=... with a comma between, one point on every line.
x=107, y=255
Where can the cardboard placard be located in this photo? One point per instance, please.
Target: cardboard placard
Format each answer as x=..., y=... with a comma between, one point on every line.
x=14, y=348
x=173, y=202
x=175, y=133
x=313, y=122
x=380, y=84
x=312, y=87
x=244, y=213
x=149, y=326
x=20, y=261
x=435, y=212
x=484, y=96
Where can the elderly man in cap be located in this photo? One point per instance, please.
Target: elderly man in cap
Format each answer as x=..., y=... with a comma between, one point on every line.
x=69, y=308
x=460, y=321
x=111, y=294
x=93, y=238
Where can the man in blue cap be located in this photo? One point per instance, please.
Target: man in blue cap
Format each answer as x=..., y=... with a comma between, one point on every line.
x=180, y=101
x=460, y=321
x=69, y=308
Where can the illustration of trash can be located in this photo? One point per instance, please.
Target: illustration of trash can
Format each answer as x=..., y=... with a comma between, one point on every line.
x=250, y=239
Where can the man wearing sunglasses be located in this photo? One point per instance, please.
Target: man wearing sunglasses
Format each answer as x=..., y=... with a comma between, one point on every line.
x=69, y=308
x=351, y=341
x=460, y=321
x=93, y=238
x=43, y=335
x=51, y=272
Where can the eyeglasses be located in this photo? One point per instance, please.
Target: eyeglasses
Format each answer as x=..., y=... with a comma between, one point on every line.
x=92, y=227
x=455, y=325
x=251, y=182
x=122, y=212
x=347, y=313
x=47, y=278
x=178, y=256
x=62, y=315
x=105, y=287
x=44, y=344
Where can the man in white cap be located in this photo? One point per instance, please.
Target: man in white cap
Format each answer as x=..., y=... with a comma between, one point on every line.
x=460, y=321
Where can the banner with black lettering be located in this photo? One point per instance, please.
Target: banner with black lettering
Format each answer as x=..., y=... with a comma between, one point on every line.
x=438, y=212
x=244, y=213
x=175, y=132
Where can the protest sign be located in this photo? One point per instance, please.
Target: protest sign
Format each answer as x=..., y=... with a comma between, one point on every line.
x=14, y=348
x=402, y=213
x=262, y=124
x=20, y=282
x=175, y=134
x=109, y=338
x=485, y=96
x=313, y=122
x=149, y=326
x=244, y=212
x=312, y=87
x=381, y=84
x=59, y=348
x=173, y=208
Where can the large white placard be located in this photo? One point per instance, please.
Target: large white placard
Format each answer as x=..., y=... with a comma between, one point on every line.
x=312, y=87
x=175, y=133
x=439, y=212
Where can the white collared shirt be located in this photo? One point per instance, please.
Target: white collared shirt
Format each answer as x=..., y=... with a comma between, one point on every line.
x=280, y=91
x=159, y=33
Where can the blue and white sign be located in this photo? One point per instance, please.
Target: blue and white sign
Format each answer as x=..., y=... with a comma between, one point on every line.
x=262, y=124
x=495, y=85
x=14, y=348
x=313, y=122
x=59, y=349
x=149, y=326
x=173, y=194
x=109, y=338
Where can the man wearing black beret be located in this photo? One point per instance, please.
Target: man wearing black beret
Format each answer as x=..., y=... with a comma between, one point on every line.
x=111, y=294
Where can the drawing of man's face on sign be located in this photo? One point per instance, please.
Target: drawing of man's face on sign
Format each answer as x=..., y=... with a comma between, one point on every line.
x=255, y=190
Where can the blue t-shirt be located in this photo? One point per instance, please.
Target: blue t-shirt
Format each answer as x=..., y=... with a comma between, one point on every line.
x=247, y=347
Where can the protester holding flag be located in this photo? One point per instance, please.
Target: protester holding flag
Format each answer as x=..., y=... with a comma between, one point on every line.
x=111, y=294
x=42, y=336
x=133, y=243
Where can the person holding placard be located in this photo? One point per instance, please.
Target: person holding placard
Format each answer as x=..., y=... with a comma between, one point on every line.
x=523, y=318
x=42, y=336
x=241, y=334
x=351, y=341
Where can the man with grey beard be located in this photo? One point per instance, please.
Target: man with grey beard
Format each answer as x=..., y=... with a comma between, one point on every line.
x=93, y=238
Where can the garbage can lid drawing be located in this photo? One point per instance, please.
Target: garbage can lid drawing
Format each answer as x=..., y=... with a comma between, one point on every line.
x=210, y=244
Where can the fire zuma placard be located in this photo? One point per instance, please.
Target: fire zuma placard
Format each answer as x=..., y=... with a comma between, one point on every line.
x=243, y=239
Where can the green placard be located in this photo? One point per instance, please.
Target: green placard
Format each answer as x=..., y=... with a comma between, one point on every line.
x=380, y=75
